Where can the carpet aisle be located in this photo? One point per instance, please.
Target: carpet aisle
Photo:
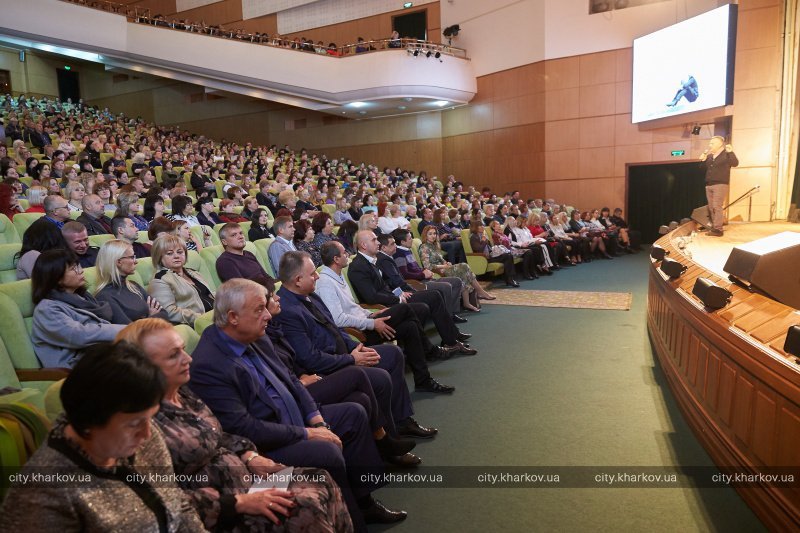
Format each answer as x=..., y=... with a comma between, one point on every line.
x=562, y=387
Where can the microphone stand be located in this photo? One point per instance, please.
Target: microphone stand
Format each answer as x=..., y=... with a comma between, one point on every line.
x=748, y=194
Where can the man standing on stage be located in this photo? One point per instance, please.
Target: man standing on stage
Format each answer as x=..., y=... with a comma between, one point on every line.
x=717, y=161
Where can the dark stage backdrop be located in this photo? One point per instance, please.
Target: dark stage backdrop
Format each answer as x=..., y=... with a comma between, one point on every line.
x=660, y=193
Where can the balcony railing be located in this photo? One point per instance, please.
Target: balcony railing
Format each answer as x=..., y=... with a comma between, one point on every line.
x=141, y=15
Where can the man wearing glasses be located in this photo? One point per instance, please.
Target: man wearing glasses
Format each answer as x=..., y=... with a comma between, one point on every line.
x=56, y=210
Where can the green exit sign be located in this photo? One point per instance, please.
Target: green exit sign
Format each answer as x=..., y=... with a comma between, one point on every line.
x=676, y=153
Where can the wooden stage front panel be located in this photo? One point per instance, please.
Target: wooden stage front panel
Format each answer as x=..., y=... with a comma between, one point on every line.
x=737, y=388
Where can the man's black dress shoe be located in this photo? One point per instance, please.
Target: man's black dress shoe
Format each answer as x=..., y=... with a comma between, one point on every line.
x=431, y=385
x=459, y=319
x=440, y=353
x=513, y=283
x=411, y=428
x=461, y=349
x=463, y=336
x=388, y=446
x=377, y=513
x=407, y=460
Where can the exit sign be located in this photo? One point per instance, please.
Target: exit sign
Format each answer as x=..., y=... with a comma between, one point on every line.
x=678, y=152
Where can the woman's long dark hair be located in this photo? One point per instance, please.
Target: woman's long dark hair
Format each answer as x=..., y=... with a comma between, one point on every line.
x=40, y=236
x=48, y=270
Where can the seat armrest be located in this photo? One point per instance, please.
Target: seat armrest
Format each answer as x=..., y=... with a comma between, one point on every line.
x=42, y=374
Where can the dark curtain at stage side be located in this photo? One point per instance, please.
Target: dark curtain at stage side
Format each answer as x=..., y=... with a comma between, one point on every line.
x=661, y=193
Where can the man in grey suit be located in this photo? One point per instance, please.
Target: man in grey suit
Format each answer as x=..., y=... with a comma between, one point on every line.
x=284, y=231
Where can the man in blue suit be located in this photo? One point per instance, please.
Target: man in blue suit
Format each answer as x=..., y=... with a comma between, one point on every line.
x=237, y=373
x=323, y=348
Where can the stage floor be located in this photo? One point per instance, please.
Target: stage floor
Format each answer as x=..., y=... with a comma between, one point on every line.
x=713, y=252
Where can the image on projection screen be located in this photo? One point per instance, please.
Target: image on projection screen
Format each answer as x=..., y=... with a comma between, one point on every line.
x=684, y=67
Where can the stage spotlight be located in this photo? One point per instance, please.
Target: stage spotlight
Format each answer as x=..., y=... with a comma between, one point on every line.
x=416, y=53
x=429, y=54
x=438, y=55
x=685, y=220
x=673, y=225
x=657, y=252
x=792, y=344
x=696, y=130
x=663, y=230
x=672, y=268
x=711, y=294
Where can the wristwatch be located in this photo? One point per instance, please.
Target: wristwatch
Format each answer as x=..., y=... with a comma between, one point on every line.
x=255, y=454
x=322, y=425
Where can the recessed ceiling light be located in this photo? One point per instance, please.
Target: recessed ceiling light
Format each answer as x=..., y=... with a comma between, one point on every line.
x=441, y=103
x=344, y=112
x=407, y=99
x=357, y=104
x=401, y=107
x=362, y=112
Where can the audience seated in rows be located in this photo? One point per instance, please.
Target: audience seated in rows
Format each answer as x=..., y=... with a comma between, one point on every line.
x=200, y=447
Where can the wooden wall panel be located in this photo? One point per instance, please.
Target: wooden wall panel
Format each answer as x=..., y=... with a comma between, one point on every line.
x=227, y=13
x=375, y=27
x=267, y=24
x=765, y=426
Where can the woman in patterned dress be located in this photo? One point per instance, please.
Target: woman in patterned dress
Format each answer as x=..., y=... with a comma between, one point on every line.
x=430, y=254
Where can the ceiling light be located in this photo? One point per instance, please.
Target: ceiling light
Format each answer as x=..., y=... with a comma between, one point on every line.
x=416, y=53
x=362, y=112
x=407, y=99
x=438, y=55
x=441, y=103
x=407, y=5
x=357, y=104
x=401, y=107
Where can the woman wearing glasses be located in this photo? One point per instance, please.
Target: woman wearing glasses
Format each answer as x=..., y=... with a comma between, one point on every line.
x=128, y=300
x=66, y=318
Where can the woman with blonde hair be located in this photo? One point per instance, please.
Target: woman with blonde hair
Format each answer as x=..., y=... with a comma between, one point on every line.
x=36, y=195
x=74, y=193
x=128, y=300
x=430, y=254
x=181, y=291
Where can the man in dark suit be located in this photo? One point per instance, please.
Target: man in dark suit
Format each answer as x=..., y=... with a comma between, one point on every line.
x=449, y=287
x=94, y=216
x=371, y=288
x=237, y=373
x=323, y=348
x=203, y=185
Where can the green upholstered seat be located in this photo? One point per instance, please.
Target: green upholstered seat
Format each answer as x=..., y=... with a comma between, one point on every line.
x=8, y=231
x=8, y=268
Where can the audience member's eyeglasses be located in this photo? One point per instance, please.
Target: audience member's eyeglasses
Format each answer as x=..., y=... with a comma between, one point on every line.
x=128, y=257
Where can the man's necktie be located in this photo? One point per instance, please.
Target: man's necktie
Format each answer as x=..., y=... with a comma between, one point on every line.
x=289, y=403
x=319, y=316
